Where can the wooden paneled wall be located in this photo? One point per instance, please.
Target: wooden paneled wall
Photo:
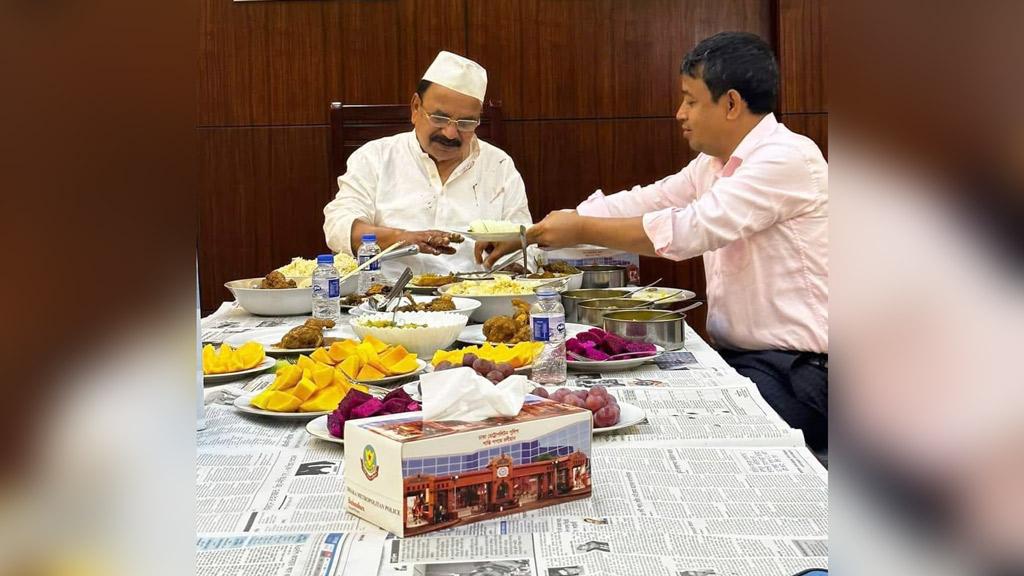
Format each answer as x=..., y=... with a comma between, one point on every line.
x=589, y=91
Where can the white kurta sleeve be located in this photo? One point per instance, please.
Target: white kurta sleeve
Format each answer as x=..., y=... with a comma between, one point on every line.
x=355, y=200
x=515, y=207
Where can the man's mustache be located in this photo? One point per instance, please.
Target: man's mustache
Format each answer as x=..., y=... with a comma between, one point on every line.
x=453, y=143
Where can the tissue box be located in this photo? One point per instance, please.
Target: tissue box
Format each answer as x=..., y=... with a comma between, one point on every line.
x=409, y=476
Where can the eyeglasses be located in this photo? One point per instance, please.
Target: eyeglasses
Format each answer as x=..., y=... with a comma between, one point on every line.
x=439, y=121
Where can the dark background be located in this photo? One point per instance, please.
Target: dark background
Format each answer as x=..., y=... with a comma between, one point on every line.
x=589, y=91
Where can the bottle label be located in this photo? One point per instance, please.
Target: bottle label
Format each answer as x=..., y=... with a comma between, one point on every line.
x=372, y=267
x=327, y=288
x=544, y=327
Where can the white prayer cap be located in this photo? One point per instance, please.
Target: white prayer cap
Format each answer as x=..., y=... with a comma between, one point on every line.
x=459, y=74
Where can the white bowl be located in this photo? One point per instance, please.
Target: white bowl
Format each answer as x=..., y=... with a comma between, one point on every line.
x=344, y=289
x=442, y=328
x=491, y=306
x=464, y=306
x=271, y=302
x=573, y=283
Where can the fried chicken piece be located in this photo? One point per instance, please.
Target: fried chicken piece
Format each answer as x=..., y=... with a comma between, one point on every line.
x=309, y=335
x=433, y=280
x=456, y=238
x=320, y=323
x=510, y=329
x=440, y=304
x=276, y=280
x=500, y=329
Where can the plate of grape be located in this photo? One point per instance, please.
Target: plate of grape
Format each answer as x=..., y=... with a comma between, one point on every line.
x=609, y=413
x=493, y=371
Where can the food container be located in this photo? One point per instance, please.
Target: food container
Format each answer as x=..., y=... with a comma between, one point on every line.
x=495, y=305
x=571, y=298
x=603, y=276
x=667, y=331
x=464, y=306
x=439, y=331
x=271, y=301
x=573, y=282
x=410, y=477
x=591, y=312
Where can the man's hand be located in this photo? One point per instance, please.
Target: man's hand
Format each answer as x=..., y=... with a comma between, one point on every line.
x=432, y=242
x=494, y=251
x=557, y=230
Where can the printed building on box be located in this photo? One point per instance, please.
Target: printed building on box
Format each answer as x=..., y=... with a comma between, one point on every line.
x=457, y=472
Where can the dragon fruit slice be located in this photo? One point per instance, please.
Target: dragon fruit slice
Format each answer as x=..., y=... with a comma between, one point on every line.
x=615, y=344
x=598, y=332
x=351, y=400
x=588, y=337
x=369, y=408
x=336, y=424
x=596, y=355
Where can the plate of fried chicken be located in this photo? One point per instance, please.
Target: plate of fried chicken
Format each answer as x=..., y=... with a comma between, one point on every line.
x=302, y=339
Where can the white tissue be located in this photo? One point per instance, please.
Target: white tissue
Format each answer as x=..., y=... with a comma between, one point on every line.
x=462, y=394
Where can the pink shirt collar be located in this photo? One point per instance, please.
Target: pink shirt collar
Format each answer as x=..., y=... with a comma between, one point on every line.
x=759, y=132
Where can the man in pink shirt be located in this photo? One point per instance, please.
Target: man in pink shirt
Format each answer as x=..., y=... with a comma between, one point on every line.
x=754, y=203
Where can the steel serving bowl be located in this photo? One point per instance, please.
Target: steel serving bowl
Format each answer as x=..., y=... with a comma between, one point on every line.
x=667, y=331
x=603, y=276
x=592, y=312
x=571, y=298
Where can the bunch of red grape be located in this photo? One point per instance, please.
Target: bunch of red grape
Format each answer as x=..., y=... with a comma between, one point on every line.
x=604, y=406
x=495, y=372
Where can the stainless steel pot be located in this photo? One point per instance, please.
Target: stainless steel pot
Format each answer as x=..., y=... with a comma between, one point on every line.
x=592, y=312
x=571, y=298
x=603, y=276
x=667, y=331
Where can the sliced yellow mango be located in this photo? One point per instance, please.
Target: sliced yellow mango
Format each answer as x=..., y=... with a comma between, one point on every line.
x=341, y=349
x=377, y=345
x=282, y=402
x=261, y=399
x=320, y=355
x=351, y=366
x=405, y=365
x=324, y=400
x=304, y=389
x=305, y=362
x=369, y=373
x=323, y=375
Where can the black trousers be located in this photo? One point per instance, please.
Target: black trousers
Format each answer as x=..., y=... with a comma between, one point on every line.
x=795, y=384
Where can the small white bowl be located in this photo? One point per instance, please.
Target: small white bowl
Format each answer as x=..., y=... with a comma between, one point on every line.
x=271, y=301
x=442, y=328
x=464, y=306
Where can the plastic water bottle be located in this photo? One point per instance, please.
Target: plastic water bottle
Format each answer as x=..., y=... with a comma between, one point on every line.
x=371, y=274
x=547, y=320
x=326, y=289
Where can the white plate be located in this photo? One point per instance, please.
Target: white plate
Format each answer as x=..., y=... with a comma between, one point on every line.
x=612, y=365
x=229, y=376
x=269, y=336
x=489, y=236
x=474, y=334
x=464, y=306
x=243, y=404
x=629, y=415
x=317, y=428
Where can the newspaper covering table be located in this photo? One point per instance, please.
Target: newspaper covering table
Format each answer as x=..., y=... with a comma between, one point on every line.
x=712, y=483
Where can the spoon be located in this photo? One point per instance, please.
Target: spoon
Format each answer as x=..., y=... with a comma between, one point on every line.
x=635, y=290
x=670, y=312
x=581, y=358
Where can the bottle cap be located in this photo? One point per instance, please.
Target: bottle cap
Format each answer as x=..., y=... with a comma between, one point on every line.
x=369, y=238
x=546, y=292
x=325, y=259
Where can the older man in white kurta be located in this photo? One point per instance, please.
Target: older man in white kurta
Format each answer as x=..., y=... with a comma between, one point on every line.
x=416, y=186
